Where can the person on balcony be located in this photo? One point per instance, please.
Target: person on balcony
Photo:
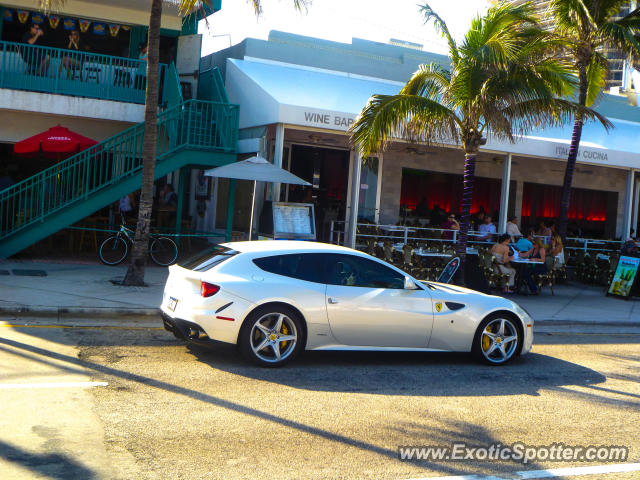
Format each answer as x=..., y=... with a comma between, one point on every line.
x=141, y=73
x=36, y=58
x=72, y=63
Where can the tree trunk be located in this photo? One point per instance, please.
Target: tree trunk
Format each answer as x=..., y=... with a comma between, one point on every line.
x=568, y=178
x=563, y=218
x=135, y=272
x=465, y=220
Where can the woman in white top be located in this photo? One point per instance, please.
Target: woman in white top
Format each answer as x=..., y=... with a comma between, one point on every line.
x=503, y=256
x=557, y=249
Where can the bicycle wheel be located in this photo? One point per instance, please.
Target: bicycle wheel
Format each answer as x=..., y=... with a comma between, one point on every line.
x=113, y=250
x=163, y=251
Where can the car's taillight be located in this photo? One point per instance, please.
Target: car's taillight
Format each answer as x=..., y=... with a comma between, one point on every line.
x=208, y=289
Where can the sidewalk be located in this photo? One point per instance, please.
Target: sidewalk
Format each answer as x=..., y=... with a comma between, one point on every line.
x=77, y=290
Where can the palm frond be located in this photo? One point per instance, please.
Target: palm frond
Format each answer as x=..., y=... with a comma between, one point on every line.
x=428, y=14
x=401, y=116
x=572, y=17
x=597, y=71
x=429, y=81
x=621, y=37
x=539, y=113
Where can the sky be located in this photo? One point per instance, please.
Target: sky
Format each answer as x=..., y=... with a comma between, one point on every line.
x=339, y=20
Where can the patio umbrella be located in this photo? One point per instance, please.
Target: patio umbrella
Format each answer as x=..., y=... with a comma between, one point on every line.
x=257, y=169
x=57, y=142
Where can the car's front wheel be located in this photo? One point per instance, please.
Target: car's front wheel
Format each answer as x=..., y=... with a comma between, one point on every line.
x=272, y=335
x=497, y=340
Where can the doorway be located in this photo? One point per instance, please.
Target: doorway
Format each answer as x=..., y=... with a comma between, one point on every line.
x=327, y=170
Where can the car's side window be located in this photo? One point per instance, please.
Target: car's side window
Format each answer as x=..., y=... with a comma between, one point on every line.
x=355, y=271
x=301, y=266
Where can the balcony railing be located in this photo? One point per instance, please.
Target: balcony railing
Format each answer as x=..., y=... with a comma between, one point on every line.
x=69, y=72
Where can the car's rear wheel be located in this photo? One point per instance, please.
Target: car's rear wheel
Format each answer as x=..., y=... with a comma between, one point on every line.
x=272, y=335
x=497, y=339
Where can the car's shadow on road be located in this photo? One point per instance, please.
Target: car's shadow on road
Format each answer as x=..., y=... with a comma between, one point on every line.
x=397, y=373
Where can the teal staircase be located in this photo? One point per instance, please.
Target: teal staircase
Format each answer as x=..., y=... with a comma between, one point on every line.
x=190, y=133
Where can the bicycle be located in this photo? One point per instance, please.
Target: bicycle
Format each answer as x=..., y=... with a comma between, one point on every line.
x=162, y=250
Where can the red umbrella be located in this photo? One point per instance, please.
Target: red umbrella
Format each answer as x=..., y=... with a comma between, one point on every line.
x=57, y=142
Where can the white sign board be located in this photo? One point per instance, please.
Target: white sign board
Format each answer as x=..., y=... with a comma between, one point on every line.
x=294, y=220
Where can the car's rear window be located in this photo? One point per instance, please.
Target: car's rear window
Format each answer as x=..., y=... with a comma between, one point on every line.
x=208, y=258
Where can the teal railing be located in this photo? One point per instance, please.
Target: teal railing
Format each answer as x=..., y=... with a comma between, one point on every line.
x=193, y=124
x=74, y=73
x=211, y=86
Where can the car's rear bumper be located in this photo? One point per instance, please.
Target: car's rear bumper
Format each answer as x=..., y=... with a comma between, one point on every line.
x=186, y=330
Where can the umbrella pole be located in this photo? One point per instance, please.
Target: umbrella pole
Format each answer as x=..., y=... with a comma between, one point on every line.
x=253, y=202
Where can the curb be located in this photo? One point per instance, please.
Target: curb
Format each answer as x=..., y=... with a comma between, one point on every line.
x=79, y=312
x=583, y=323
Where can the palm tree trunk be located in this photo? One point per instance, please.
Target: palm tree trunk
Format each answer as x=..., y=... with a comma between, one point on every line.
x=563, y=219
x=135, y=272
x=568, y=178
x=465, y=219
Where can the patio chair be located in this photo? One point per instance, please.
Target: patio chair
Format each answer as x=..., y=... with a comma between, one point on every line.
x=547, y=278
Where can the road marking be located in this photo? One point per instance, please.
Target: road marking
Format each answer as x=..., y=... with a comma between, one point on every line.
x=551, y=473
x=9, y=386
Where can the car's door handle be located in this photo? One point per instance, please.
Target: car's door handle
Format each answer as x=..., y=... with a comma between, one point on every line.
x=332, y=300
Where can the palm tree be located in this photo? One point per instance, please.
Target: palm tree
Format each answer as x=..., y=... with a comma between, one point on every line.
x=585, y=27
x=502, y=81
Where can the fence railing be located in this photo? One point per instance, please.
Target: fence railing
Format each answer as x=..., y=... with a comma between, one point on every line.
x=193, y=124
x=74, y=73
x=405, y=234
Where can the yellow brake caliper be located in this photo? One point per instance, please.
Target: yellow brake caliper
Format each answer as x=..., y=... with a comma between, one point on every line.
x=285, y=331
x=486, y=342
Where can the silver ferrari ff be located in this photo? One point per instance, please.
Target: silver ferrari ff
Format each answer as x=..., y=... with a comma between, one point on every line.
x=274, y=299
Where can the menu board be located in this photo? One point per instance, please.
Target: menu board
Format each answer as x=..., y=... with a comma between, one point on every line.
x=293, y=220
x=625, y=276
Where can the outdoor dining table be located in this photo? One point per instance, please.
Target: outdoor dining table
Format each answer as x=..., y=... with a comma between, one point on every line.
x=520, y=264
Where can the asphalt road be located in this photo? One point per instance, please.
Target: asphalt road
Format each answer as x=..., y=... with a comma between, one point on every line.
x=171, y=410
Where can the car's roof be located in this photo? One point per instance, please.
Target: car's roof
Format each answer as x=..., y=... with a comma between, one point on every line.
x=273, y=246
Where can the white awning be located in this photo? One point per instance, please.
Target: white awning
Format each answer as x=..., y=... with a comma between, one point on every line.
x=272, y=92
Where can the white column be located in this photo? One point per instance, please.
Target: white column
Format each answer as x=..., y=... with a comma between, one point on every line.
x=628, y=205
x=504, y=198
x=636, y=205
x=355, y=197
x=277, y=159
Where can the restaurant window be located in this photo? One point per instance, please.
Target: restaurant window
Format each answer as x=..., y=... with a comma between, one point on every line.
x=445, y=190
x=593, y=212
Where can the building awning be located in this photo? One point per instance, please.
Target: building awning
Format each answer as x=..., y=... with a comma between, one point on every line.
x=272, y=92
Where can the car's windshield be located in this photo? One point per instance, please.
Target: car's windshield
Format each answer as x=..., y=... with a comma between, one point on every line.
x=208, y=258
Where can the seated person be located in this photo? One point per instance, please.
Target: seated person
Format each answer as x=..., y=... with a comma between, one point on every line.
x=524, y=245
x=36, y=58
x=539, y=256
x=450, y=224
x=487, y=228
x=512, y=228
x=502, y=254
x=168, y=197
x=71, y=62
x=629, y=248
x=557, y=249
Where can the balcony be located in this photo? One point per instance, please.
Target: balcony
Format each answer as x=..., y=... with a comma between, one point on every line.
x=68, y=72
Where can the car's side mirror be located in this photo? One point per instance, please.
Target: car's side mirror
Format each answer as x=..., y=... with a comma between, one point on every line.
x=409, y=284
